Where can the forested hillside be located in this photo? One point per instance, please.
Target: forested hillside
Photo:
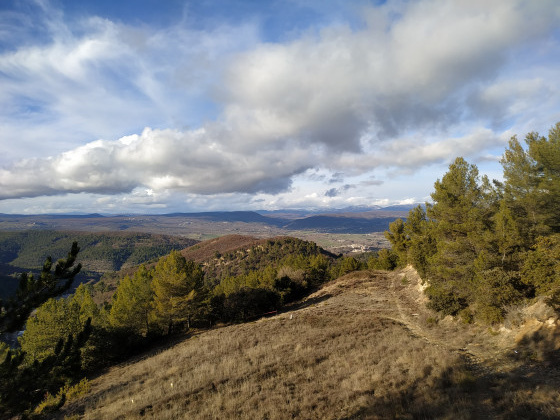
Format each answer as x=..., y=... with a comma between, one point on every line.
x=483, y=246
x=100, y=252
x=70, y=337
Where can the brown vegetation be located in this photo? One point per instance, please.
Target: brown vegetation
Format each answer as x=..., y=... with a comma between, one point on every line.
x=207, y=249
x=364, y=346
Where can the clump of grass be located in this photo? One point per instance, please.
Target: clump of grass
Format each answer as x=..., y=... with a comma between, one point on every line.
x=52, y=403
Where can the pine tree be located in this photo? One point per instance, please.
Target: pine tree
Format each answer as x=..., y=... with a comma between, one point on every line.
x=56, y=319
x=176, y=285
x=399, y=240
x=458, y=223
x=546, y=154
x=132, y=303
x=421, y=243
x=32, y=292
x=507, y=237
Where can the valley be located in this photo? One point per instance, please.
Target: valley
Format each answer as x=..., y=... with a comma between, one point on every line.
x=112, y=243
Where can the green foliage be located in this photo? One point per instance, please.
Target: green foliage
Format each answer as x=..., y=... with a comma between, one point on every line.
x=448, y=302
x=33, y=380
x=176, y=287
x=54, y=320
x=32, y=291
x=100, y=252
x=495, y=290
x=291, y=284
x=67, y=393
x=541, y=270
x=68, y=337
x=483, y=247
x=345, y=265
x=458, y=213
x=421, y=242
x=274, y=253
x=50, y=404
x=507, y=237
x=248, y=303
x=532, y=188
x=384, y=260
x=132, y=303
x=399, y=240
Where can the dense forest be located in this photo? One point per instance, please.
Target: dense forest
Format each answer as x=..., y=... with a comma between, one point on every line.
x=24, y=251
x=484, y=246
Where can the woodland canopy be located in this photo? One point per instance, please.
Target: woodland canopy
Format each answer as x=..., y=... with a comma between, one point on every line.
x=482, y=246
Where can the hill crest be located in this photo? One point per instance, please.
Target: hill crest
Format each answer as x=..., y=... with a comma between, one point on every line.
x=364, y=343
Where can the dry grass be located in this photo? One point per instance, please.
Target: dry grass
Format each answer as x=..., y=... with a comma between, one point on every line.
x=359, y=348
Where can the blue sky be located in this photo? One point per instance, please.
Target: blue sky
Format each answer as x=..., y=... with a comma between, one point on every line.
x=160, y=106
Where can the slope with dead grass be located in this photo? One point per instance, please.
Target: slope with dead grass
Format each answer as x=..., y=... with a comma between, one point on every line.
x=364, y=346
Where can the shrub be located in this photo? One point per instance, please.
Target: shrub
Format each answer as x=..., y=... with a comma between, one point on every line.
x=446, y=302
x=52, y=403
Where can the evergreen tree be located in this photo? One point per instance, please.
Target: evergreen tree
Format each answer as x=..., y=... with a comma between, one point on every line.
x=546, y=154
x=532, y=184
x=57, y=319
x=507, y=237
x=176, y=285
x=399, y=240
x=521, y=190
x=541, y=269
x=487, y=246
x=32, y=292
x=132, y=303
x=421, y=243
x=457, y=212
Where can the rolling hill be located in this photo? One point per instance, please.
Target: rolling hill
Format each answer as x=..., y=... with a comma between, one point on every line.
x=211, y=224
x=100, y=252
x=341, y=224
x=363, y=346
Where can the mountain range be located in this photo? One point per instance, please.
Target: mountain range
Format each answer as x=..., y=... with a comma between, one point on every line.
x=348, y=220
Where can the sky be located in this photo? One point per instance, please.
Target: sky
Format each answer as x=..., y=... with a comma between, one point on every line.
x=148, y=106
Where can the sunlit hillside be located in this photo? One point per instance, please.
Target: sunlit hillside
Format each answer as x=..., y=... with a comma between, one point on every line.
x=363, y=346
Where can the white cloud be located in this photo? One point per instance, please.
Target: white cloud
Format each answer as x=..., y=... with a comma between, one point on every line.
x=94, y=78
x=334, y=87
x=416, y=84
x=158, y=160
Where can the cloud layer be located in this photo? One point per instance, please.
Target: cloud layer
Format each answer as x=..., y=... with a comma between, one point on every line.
x=411, y=85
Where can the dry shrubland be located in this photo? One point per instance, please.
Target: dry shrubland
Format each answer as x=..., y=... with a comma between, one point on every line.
x=364, y=346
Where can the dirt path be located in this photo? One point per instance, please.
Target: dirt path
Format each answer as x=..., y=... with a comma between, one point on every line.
x=398, y=297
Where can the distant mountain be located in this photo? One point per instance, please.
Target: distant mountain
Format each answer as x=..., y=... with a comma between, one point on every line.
x=219, y=223
x=229, y=216
x=341, y=224
x=301, y=213
x=403, y=207
x=51, y=216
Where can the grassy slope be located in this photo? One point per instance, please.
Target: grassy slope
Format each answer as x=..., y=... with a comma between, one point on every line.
x=364, y=346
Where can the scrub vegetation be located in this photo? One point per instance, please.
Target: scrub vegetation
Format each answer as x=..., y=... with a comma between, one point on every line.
x=363, y=346
x=484, y=246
